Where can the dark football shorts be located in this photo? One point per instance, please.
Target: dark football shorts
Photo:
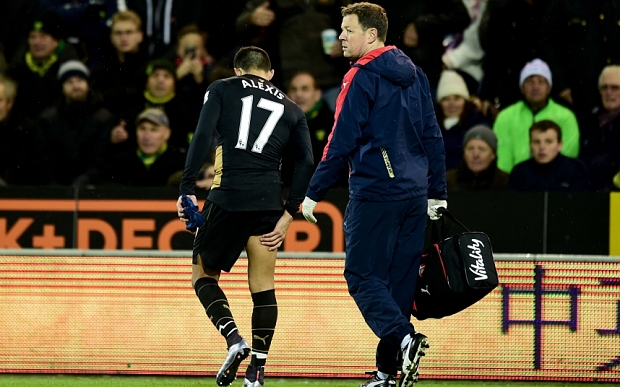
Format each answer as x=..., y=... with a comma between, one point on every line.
x=224, y=234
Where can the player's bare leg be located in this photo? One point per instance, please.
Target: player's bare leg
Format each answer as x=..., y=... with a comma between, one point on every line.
x=261, y=268
x=205, y=282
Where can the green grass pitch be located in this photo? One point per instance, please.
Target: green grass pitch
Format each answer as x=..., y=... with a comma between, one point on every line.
x=163, y=381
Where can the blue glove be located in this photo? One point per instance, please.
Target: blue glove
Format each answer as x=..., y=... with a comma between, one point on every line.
x=191, y=212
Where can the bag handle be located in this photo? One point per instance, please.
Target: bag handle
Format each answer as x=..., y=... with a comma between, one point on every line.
x=444, y=211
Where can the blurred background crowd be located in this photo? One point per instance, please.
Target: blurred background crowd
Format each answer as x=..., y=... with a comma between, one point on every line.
x=108, y=92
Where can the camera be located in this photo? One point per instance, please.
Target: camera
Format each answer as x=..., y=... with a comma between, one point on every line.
x=191, y=52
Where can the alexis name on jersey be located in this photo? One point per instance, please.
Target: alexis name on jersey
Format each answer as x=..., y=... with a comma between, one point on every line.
x=262, y=86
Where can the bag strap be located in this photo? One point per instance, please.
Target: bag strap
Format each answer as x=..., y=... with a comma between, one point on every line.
x=436, y=231
x=444, y=211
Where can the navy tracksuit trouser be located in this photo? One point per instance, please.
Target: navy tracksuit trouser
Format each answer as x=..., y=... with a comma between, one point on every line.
x=384, y=243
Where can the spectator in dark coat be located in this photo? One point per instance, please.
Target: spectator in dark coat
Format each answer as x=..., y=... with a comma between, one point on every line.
x=162, y=20
x=456, y=114
x=548, y=170
x=36, y=65
x=16, y=138
x=193, y=66
x=304, y=90
x=218, y=20
x=73, y=135
x=478, y=169
x=509, y=34
x=121, y=77
x=419, y=27
x=153, y=163
x=579, y=38
x=160, y=92
x=601, y=132
x=3, y=63
x=86, y=25
x=291, y=32
x=16, y=17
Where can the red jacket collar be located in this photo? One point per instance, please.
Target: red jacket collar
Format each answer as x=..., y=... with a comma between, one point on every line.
x=370, y=55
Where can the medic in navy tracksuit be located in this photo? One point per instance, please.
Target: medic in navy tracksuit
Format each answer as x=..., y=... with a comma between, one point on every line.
x=386, y=132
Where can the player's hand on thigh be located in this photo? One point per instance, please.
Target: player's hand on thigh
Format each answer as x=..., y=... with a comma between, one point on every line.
x=274, y=239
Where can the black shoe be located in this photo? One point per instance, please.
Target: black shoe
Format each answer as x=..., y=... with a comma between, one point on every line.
x=254, y=377
x=375, y=381
x=236, y=354
x=411, y=355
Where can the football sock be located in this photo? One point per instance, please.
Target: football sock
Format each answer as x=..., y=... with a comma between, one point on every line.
x=264, y=318
x=216, y=306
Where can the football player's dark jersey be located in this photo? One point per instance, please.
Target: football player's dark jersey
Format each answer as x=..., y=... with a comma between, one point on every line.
x=253, y=123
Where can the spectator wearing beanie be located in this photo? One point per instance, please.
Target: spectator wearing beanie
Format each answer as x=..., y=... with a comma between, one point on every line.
x=36, y=64
x=478, y=168
x=456, y=114
x=73, y=68
x=513, y=123
x=73, y=135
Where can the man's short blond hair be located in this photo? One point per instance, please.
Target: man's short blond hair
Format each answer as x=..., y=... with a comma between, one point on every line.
x=127, y=15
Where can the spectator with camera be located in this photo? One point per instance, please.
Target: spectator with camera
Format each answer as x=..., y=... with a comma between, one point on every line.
x=193, y=66
x=192, y=59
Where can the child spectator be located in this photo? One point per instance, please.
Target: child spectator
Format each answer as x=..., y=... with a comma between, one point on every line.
x=547, y=169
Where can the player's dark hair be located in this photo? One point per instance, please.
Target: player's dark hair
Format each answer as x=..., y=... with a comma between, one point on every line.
x=369, y=16
x=252, y=57
x=545, y=125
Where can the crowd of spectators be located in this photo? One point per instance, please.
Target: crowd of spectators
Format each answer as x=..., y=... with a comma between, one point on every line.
x=108, y=92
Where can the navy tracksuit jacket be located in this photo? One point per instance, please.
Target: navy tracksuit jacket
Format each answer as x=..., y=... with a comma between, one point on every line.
x=386, y=132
